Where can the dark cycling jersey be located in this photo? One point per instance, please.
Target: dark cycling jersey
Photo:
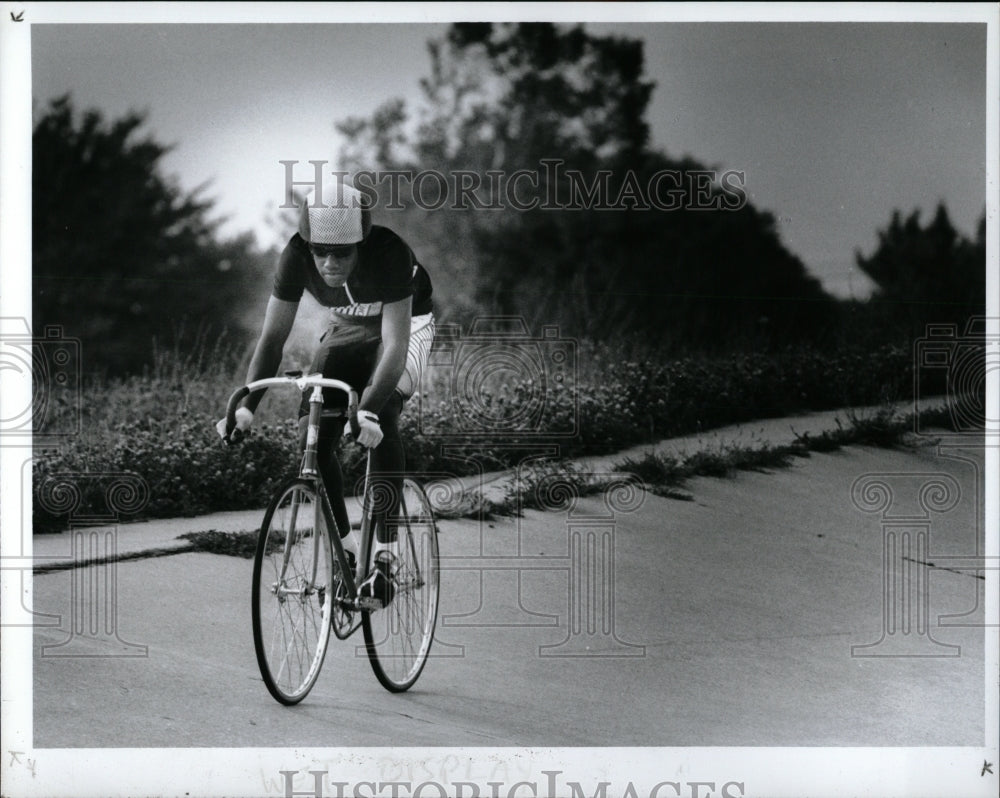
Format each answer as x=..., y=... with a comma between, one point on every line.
x=386, y=271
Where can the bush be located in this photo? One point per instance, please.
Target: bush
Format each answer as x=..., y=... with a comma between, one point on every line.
x=620, y=402
x=161, y=426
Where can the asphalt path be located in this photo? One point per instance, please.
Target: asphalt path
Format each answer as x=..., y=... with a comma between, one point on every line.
x=754, y=614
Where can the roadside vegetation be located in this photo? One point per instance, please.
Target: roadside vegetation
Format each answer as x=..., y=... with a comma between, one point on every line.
x=556, y=484
x=161, y=426
x=553, y=484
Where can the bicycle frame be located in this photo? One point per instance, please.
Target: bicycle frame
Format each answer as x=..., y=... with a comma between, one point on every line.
x=345, y=603
x=308, y=469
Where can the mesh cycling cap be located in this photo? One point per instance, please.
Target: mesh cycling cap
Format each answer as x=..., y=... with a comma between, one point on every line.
x=344, y=217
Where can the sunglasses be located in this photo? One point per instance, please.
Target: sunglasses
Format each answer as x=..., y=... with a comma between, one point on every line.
x=334, y=250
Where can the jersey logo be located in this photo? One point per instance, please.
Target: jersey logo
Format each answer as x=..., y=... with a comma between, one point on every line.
x=358, y=309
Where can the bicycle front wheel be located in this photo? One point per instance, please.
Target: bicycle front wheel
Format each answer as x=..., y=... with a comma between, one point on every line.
x=398, y=637
x=292, y=592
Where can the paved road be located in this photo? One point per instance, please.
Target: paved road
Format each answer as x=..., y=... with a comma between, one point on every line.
x=727, y=620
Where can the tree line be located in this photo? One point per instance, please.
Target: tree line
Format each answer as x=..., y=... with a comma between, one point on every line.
x=121, y=254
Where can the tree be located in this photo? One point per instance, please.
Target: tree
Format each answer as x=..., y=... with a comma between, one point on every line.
x=927, y=275
x=504, y=96
x=510, y=97
x=121, y=254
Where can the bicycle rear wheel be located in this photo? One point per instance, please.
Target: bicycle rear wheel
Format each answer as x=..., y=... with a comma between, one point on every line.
x=398, y=637
x=292, y=592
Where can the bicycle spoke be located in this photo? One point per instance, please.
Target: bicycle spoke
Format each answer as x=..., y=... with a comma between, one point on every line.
x=291, y=639
x=292, y=594
x=398, y=637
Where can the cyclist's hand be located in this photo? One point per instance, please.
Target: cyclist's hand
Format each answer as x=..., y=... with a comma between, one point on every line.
x=369, y=432
x=244, y=418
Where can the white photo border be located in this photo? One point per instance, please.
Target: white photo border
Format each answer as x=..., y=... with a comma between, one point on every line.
x=231, y=772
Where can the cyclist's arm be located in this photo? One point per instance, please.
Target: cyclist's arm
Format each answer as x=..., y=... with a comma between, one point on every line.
x=278, y=320
x=395, y=341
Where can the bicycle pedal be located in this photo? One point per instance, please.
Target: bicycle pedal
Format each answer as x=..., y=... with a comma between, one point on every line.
x=370, y=603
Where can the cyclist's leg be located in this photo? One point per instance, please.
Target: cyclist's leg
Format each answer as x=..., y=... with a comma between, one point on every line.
x=389, y=458
x=347, y=353
x=389, y=463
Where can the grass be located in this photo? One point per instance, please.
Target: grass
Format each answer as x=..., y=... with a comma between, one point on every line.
x=234, y=544
x=472, y=503
x=665, y=474
x=160, y=426
x=554, y=485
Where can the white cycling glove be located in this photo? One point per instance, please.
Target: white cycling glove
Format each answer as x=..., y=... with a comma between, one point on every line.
x=370, y=433
x=244, y=418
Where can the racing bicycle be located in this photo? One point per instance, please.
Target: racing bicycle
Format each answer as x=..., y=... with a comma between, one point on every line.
x=305, y=584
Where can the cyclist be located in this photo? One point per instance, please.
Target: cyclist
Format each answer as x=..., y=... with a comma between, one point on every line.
x=380, y=331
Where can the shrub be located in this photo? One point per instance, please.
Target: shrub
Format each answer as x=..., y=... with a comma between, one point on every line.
x=160, y=426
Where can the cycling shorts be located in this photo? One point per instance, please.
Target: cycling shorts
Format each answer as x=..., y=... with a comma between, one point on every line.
x=349, y=351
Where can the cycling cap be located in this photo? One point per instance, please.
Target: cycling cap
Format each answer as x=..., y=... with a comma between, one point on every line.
x=342, y=217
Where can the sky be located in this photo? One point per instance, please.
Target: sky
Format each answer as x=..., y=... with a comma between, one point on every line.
x=835, y=125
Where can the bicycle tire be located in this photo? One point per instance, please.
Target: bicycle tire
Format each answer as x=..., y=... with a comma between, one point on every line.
x=398, y=637
x=291, y=615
